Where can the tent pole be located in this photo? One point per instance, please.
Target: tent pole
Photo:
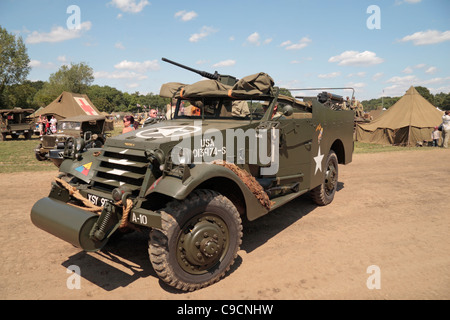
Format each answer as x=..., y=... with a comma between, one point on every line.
x=409, y=134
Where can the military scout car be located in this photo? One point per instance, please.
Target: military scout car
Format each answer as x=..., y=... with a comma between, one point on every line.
x=232, y=151
x=93, y=130
x=16, y=122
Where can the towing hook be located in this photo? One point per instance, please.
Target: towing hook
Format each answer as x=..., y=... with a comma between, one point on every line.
x=121, y=194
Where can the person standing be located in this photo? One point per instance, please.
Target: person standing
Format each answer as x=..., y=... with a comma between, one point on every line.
x=41, y=126
x=445, y=128
x=53, y=123
x=435, y=136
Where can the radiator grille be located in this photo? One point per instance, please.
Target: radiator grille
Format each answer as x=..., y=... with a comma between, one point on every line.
x=119, y=167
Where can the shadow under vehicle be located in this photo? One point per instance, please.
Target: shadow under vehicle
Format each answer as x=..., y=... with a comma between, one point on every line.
x=92, y=129
x=16, y=122
x=235, y=150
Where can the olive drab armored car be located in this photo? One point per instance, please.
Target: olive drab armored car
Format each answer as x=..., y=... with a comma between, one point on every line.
x=234, y=150
x=16, y=122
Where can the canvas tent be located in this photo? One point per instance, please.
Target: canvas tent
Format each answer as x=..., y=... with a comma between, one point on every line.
x=410, y=120
x=69, y=104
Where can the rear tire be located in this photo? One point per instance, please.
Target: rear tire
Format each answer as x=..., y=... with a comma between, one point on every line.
x=323, y=194
x=199, y=241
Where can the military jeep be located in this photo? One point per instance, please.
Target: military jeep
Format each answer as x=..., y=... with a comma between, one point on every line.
x=231, y=152
x=92, y=129
x=16, y=122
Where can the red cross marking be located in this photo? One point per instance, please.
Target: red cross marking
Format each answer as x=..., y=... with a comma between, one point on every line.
x=87, y=108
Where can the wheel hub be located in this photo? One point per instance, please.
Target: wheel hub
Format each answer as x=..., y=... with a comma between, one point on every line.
x=330, y=179
x=202, y=244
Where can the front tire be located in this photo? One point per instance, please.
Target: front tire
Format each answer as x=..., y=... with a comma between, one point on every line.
x=323, y=194
x=199, y=240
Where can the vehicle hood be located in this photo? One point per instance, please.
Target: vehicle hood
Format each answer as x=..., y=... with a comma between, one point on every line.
x=171, y=132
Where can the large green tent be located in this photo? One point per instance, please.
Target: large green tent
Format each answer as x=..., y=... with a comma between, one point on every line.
x=409, y=121
x=69, y=104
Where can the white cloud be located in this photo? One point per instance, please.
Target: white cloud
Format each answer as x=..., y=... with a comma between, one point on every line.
x=399, y=2
x=132, y=85
x=149, y=65
x=186, y=16
x=34, y=63
x=407, y=70
x=254, y=38
x=395, y=90
x=427, y=37
x=357, y=74
x=431, y=70
x=402, y=80
x=119, y=45
x=200, y=62
x=225, y=63
x=357, y=85
x=329, y=75
x=355, y=58
x=377, y=76
x=58, y=34
x=302, y=43
x=438, y=80
x=119, y=75
x=204, y=32
x=130, y=5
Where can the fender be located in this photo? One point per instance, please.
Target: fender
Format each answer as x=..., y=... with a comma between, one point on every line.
x=82, y=168
x=176, y=188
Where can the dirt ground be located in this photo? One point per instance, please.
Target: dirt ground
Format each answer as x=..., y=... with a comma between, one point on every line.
x=385, y=236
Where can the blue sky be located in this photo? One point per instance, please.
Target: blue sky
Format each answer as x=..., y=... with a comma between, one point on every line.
x=301, y=44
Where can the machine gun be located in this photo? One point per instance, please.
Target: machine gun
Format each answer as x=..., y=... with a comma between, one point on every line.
x=324, y=96
x=225, y=79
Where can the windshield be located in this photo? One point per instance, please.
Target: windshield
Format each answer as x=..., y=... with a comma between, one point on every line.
x=62, y=125
x=214, y=108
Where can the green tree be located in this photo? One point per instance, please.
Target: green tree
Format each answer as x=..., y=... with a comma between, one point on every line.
x=14, y=62
x=75, y=78
x=445, y=104
x=424, y=92
x=106, y=98
x=285, y=92
x=22, y=95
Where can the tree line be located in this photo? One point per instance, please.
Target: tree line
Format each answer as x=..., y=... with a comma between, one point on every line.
x=439, y=100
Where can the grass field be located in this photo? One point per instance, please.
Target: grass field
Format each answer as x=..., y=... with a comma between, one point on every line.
x=18, y=155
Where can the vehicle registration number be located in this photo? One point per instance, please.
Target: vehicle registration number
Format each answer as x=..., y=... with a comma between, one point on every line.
x=97, y=200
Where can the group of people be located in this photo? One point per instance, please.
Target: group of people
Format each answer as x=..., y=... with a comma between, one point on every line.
x=445, y=129
x=46, y=126
x=129, y=123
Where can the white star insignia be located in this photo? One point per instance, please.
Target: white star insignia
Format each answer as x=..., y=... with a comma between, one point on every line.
x=318, y=161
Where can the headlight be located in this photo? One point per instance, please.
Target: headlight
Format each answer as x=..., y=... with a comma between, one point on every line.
x=181, y=156
x=79, y=144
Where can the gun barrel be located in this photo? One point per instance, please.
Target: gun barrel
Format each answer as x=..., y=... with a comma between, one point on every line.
x=324, y=96
x=205, y=74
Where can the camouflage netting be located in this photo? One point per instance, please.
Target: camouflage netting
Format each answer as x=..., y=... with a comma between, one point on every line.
x=249, y=181
x=254, y=85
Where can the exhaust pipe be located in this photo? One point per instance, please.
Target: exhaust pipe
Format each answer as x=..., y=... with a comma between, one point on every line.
x=66, y=222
